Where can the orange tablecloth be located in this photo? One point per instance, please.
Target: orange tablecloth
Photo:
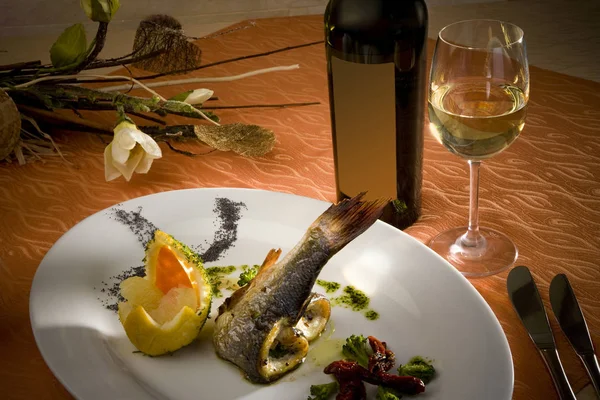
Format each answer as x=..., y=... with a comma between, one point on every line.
x=543, y=191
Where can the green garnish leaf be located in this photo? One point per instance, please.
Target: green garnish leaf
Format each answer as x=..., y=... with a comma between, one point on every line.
x=100, y=10
x=70, y=48
x=384, y=393
x=181, y=96
x=357, y=349
x=324, y=391
x=247, y=274
x=419, y=368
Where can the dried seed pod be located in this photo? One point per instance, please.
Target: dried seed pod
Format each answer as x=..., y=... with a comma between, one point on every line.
x=163, y=33
x=10, y=125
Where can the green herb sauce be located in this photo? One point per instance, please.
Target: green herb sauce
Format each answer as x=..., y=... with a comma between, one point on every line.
x=372, y=315
x=216, y=276
x=220, y=271
x=330, y=287
x=356, y=300
x=352, y=298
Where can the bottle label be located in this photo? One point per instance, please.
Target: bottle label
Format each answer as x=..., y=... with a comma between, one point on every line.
x=365, y=127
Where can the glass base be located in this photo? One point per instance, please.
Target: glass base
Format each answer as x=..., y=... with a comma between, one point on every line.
x=492, y=254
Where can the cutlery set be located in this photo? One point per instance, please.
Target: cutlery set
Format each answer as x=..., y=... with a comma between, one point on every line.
x=526, y=300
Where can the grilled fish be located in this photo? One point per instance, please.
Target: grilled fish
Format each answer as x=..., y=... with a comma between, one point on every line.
x=259, y=327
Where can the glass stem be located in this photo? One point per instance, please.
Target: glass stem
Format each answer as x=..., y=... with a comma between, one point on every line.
x=473, y=237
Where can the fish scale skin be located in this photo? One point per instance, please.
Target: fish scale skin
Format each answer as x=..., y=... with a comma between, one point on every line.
x=241, y=331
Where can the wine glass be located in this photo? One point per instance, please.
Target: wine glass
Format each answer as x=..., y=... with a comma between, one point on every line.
x=478, y=96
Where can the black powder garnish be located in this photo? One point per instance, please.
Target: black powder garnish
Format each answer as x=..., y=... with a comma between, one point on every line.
x=140, y=226
x=228, y=214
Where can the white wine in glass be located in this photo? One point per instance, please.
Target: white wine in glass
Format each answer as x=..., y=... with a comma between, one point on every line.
x=477, y=120
x=478, y=96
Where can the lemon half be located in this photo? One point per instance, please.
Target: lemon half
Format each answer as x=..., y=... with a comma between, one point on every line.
x=166, y=309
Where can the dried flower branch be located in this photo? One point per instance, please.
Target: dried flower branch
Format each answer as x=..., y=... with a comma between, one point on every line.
x=33, y=92
x=80, y=98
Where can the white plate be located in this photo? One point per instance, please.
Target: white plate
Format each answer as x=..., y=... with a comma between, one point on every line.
x=427, y=308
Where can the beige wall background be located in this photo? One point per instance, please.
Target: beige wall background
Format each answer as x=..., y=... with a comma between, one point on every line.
x=561, y=35
x=30, y=17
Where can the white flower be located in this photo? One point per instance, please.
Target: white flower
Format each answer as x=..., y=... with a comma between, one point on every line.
x=130, y=151
x=198, y=96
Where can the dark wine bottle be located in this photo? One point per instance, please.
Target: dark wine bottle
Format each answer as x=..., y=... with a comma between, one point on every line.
x=376, y=60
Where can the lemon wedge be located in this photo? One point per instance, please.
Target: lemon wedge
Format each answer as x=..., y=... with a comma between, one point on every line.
x=155, y=339
x=166, y=309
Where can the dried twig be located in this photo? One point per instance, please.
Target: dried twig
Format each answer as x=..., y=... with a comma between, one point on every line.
x=44, y=135
x=20, y=65
x=74, y=97
x=98, y=46
x=185, y=152
x=174, y=107
x=284, y=105
x=200, y=80
x=266, y=53
x=55, y=117
x=65, y=77
x=229, y=60
x=114, y=62
x=149, y=118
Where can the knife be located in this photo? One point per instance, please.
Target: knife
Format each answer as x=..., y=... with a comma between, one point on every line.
x=526, y=300
x=569, y=316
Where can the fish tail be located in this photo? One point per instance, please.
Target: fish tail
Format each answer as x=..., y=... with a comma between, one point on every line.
x=343, y=222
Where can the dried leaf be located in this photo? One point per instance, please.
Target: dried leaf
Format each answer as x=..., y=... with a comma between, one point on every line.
x=247, y=140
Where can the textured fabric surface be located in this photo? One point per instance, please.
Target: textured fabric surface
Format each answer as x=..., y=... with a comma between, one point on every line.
x=542, y=191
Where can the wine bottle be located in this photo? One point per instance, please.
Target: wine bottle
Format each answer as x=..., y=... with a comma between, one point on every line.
x=376, y=60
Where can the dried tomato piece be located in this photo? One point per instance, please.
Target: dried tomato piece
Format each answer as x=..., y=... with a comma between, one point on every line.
x=351, y=371
x=403, y=384
x=382, y=359
x=352, y=390
x=351, y=386
x=343, y=370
